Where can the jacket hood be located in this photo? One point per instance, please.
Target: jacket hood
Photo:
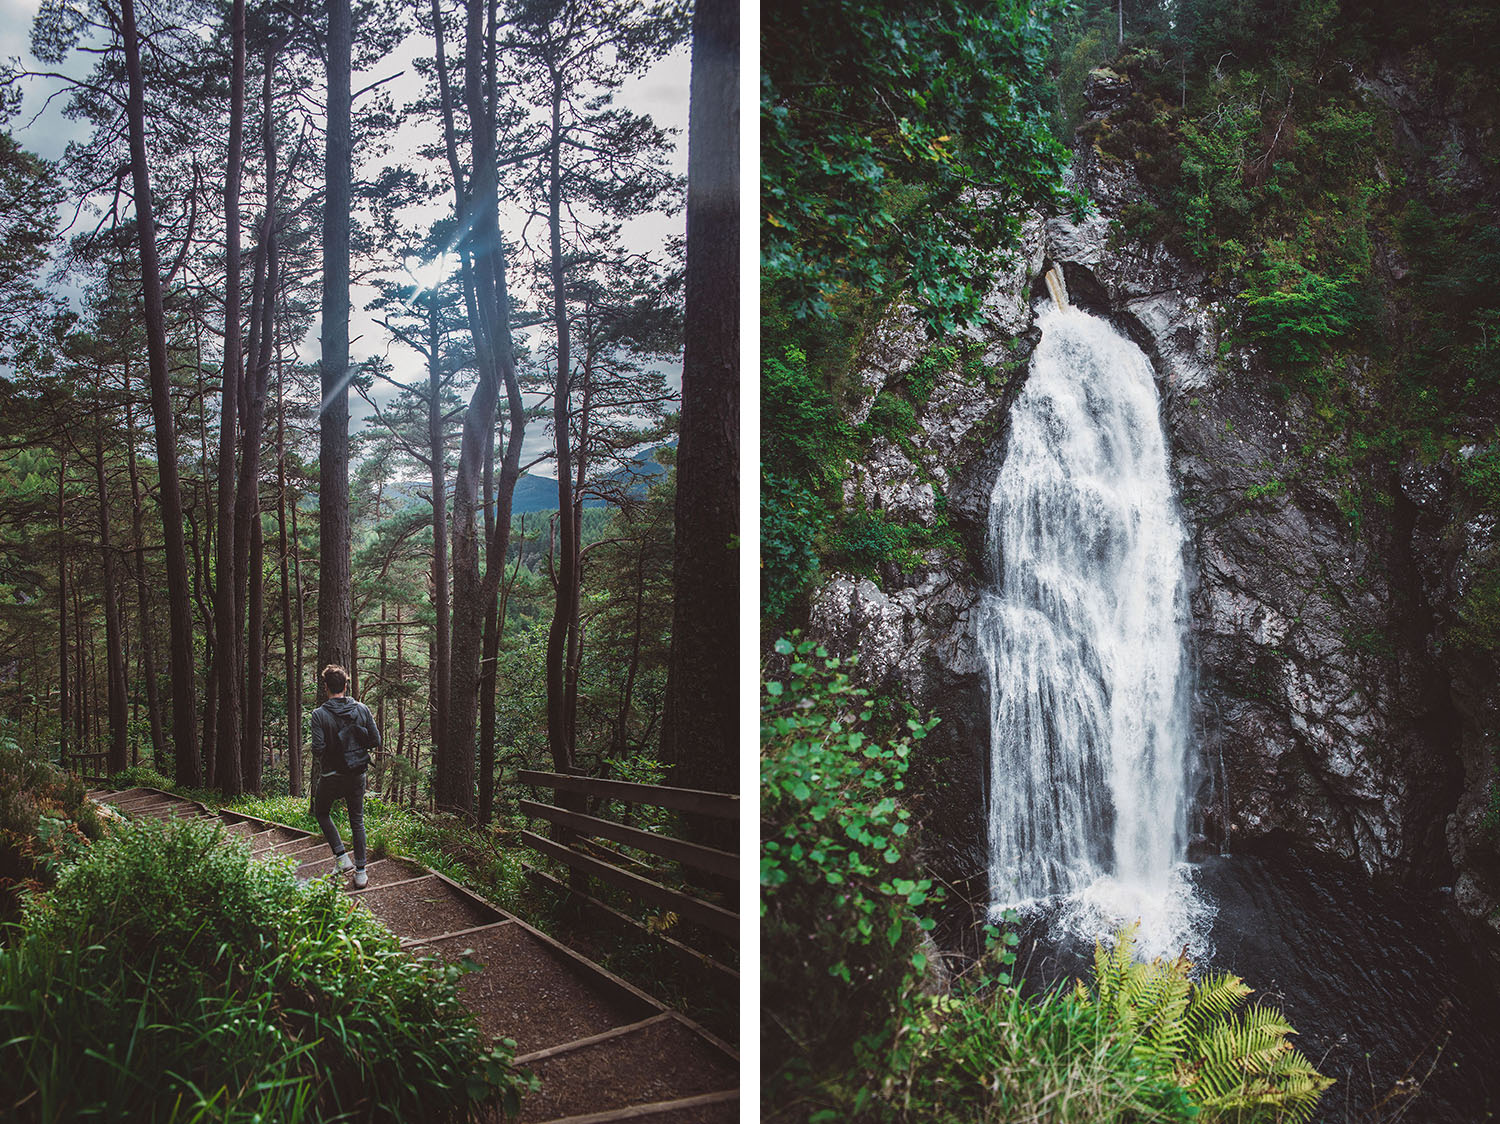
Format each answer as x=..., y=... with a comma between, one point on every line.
x=342, y=708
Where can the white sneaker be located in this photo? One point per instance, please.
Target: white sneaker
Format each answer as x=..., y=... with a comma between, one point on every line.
x=346, y=864
x=360, y=878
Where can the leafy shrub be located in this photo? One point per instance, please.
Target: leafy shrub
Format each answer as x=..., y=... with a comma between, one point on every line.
x=891, y=417
x=839, y=932
x=141, y=776
x=923, y=376
x=791, y=518
x=804, y=436
x=170, y=977
x=1294, y=314
x=1140, y=1041
x=867, y=539
x=994, y=1054
x=45, y=818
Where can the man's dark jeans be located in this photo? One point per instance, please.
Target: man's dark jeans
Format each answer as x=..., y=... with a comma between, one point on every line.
x=350, y=786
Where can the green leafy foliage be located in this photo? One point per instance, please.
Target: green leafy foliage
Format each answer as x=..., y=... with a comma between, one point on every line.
x=994, y=1054
x=873, y=138
x=45, y=821
x=1356, y=231
x=791, y=517
x=805, y=445
x=866, y=539
x=1295, y=316
x=169, y=977
x=839, y=900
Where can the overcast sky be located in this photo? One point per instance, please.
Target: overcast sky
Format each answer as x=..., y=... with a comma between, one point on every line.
x=662, y=93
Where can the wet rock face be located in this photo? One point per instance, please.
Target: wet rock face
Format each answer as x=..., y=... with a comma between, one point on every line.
x=1329, y=712
x=1320, y=714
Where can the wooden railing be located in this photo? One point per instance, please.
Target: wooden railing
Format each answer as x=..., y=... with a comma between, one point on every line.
x=577, y=847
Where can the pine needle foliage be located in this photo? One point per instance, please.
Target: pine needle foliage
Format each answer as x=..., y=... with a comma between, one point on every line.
x=1237, y=1064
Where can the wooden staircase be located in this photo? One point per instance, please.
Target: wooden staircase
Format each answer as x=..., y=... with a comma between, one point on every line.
x=604, y=1050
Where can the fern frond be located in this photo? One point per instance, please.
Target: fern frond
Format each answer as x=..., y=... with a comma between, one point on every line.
x=1213, y=998
x=1237, y=1065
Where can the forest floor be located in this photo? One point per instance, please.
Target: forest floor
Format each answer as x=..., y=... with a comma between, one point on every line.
x=603, y=1049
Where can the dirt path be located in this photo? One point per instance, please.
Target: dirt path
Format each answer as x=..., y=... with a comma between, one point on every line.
x=604, y=1050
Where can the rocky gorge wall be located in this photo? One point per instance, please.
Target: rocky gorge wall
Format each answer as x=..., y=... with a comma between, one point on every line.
x=1331, y=712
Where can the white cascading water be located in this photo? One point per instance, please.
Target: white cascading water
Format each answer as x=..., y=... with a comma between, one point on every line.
x=1084, y=636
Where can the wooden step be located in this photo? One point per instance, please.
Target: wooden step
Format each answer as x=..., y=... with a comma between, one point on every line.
x=526, y=991
x=426, y=907
x=710, y=1108
x=659, y=1060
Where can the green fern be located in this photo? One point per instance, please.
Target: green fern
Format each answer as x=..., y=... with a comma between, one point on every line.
x=1237, y=1064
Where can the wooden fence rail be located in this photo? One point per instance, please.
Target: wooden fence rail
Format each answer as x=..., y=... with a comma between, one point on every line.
x=579, y=829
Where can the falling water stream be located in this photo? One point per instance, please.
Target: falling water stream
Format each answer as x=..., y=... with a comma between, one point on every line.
x=1084, y=636
x=1084, y=633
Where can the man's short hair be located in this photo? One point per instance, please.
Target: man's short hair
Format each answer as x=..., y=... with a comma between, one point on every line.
x=335, y=678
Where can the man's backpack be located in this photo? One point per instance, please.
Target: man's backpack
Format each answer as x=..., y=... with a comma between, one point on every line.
x=355, y=743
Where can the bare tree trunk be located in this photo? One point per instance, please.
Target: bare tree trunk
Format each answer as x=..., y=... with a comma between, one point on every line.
x=288, y=639
x=335, y=587
x=439, y=472
x=573, y=665
x=179, y=610
x=228, y=604
x=80, y=670
x=491, y=648
x=253, y=757
x=489, y=304
x=249, y=555
x=297, y=599
x=565, y=608
x=627, y=693
x=142, y=589
x=62, y=606
x=702, y=715
x=380, y=709
x=114, y=641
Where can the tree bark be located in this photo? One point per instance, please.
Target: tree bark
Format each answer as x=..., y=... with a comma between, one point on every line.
x=701, y=721
x=565, y=607
x=489, y=304
x=142, y=589
x=249, y=540
x=439, y=474
x=491, y=651
x=228, y=603
x=253, y=753
x=288, y=638
x=335, y=587
x=114, y=639
x=62, y=607
x=179, y=609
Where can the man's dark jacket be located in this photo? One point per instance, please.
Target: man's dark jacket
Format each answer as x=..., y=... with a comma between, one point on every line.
x=327, y=719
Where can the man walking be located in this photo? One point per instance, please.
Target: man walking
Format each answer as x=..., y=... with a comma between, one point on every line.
x=343, y=734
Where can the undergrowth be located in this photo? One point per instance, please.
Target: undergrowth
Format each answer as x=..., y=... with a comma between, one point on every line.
x=857, y=1021
x=489, y=860
x=45, y=819
x=168, y=977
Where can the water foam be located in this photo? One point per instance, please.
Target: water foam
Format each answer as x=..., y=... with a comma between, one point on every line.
x=1084, y=639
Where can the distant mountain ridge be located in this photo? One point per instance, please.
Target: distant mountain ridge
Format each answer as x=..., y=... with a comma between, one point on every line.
x=539, y=493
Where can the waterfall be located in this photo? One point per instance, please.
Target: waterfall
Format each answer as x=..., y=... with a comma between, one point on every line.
x=1084, y=638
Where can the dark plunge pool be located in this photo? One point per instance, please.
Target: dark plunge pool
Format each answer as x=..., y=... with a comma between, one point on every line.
x=1385, y=994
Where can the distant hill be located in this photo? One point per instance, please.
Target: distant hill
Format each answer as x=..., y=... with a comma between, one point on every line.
x=539, y=493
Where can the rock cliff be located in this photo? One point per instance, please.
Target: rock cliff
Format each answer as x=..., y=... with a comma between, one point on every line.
x=1333, y=712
